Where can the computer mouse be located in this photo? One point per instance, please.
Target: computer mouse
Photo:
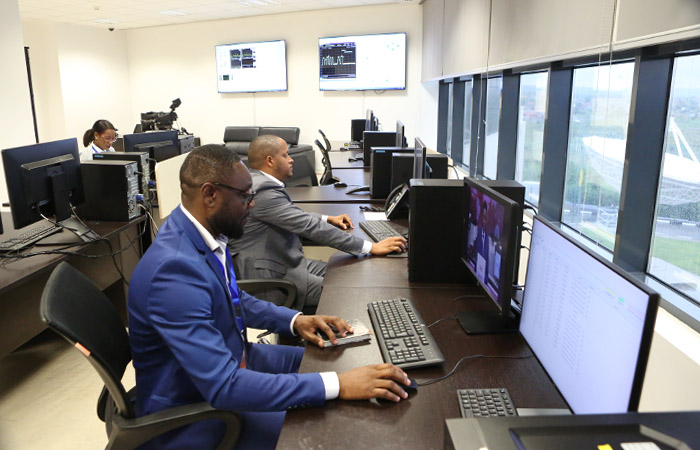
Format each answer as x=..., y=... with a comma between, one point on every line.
x=412, y=386
x=340, y=184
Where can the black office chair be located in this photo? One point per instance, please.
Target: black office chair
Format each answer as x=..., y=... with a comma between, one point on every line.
x=327, y=177
x=75, y=308
x=257, y=285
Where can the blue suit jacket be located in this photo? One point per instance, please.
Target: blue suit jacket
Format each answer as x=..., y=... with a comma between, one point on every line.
x=185, y=343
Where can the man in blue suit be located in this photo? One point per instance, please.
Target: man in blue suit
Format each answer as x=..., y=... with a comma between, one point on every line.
x=187, y=320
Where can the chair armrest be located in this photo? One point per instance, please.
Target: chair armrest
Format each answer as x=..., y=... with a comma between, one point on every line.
x=250, y=286
x=134, y=432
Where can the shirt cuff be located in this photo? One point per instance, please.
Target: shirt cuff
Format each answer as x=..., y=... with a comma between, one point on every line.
x=366, y=248
x=291, y=325
x=324, y=218
x=331, y=384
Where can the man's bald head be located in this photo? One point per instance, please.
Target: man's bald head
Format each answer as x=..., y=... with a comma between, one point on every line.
x=270, y=154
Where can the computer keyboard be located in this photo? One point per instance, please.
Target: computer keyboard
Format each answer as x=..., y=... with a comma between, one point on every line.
x=493, y=402
x=28, y=237
x=379, y=230
x=404, y=339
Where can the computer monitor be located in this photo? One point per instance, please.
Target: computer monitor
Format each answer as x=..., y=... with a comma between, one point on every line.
x=589, y=323
x=400, y=136
x=131, y=140
x=44, y=180
x=490, y=242
x=420, y=163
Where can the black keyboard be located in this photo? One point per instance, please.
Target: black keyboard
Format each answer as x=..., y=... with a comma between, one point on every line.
x=485, y=403
x=28, y=237
x=379, y=230
x=404, y=339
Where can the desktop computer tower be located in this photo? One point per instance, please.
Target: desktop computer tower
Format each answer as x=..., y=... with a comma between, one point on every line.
x=371, y=139
x=141, y=159
x=186, y=143
x=110, y=187
x=402, y=167
x=380, y=169
x=510, y=188
x=435, y=219
x=357, y=127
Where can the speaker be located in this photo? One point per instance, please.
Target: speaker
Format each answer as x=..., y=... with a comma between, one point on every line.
x=357, y=127
x=381, y=169
x=372, y=139
x=402, y=167
x=435, y=218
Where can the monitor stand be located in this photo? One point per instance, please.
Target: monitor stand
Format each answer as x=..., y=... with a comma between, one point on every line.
x=74, y=232
x=486, y=322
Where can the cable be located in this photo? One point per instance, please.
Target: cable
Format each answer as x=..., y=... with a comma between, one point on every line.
x=468, y=296
x=464, y=358
x=440, y=320
x=455, y=170
x=528, y=205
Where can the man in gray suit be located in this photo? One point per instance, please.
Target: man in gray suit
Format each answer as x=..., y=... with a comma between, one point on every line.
x=271, y=243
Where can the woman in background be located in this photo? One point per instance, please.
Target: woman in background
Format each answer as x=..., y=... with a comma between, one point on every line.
x=98, y=139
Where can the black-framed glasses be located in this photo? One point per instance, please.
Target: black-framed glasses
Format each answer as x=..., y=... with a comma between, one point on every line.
x=247, y=196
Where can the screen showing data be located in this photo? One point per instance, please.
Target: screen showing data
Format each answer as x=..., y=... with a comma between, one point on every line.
x=369, y=62
x=251, y=67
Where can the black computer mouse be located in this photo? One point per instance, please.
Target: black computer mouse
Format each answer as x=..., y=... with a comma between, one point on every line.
x=411, y=386
x=340, y=184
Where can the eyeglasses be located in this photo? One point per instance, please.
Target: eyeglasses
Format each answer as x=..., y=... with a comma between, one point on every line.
x=110, y=139
x=247, y=196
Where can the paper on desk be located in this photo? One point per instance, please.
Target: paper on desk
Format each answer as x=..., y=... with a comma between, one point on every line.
x=369, y=215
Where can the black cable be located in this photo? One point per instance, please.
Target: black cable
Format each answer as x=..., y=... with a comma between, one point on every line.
x=464, y=358
x=468, y=296
x=455, y=169
x=529, y=205
x=440, y=320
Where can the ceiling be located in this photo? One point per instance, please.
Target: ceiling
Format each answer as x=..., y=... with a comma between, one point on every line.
x=126, y=14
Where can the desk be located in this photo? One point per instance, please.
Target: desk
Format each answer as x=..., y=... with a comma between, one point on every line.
x=418, y=422
x=353, y=177
x=22, y=281
x=329, y=194
x=339, y=160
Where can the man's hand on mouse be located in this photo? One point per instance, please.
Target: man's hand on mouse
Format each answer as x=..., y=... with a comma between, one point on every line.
x=389, y=245
x=376, y=381
x=342, y=221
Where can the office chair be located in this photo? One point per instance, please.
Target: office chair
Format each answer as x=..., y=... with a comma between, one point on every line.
x=304, y=174
x=256, y=285
x=75, y=308
x=327, y=177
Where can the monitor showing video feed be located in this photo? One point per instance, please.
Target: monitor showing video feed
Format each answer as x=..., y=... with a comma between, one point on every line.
x=489, y=244
x=251, y=67
x=368, y=62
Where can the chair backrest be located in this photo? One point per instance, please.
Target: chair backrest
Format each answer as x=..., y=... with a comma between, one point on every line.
x=75, y=308
x=325, y=139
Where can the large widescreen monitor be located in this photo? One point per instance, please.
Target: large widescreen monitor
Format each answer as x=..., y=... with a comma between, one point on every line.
x=490, y=242
x=588, y=322
x=251, y=67
x=358, y=63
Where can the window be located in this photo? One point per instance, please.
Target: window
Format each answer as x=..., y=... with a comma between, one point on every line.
x=450, y=103
x=600, y=108
x=493, y=114
x=531, y=109
x=675, y=247
x=467, y=138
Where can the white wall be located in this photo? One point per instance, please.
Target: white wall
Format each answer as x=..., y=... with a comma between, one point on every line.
x=80, y=74
x=16, y=125
x=178, y=61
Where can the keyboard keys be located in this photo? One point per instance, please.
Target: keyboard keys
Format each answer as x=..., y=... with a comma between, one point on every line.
x=494, y=402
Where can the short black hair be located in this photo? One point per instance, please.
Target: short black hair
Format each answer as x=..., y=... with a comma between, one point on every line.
x=211, y=162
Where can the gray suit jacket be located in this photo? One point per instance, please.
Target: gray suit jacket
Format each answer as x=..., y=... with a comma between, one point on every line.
x=271, y=242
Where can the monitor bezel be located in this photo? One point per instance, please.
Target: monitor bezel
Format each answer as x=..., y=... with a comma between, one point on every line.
x=647, y=331
x=286, y=74
x=419, y=159
x=512, y=221
x=133, y=139
x=405, y=77
x=400, y=134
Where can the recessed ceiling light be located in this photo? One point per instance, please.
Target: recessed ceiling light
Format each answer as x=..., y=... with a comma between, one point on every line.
x=175, y=12
x=106, y=21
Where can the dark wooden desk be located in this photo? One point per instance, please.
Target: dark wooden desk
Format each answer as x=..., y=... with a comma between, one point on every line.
x=22, y=281
x=353, y=177
x=329, y=194
x=339, y=160
x=419, y=421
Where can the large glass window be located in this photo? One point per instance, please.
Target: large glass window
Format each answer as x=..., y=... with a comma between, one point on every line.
x=450, y=103
x=600, y=108
x=675, y=249
x=494, y=87
x=531, y=109
x=467, y=137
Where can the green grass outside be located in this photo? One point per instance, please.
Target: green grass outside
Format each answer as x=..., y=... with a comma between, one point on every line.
x=681, y=253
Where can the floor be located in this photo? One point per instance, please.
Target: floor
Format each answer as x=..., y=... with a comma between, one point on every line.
x=48, y=393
